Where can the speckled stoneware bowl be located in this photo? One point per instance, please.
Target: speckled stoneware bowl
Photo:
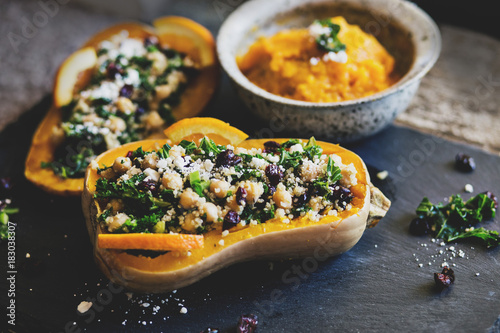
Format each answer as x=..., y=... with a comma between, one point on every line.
x=406, y=31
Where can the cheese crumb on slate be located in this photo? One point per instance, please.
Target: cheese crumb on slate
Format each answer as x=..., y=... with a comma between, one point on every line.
x=84, y=306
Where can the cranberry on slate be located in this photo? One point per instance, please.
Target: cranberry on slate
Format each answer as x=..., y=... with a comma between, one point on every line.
x=271, y=147
x=230, y=220
x=241, y=195
x=464, y=163
x=227, y=158
x=247, y=323
x=274, y=174
x=445, y=278
x=127, y=90
x=419, y=226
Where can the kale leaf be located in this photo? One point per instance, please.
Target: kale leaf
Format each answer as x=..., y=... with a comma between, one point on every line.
x=457, y=219
x=329, y=42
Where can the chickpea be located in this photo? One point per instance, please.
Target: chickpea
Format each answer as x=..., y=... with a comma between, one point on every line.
x=122, y=165
x=210, y=210
x=188, y=198
x=172, y=181
x=115, y=204
x=254, y=191
x=191, y=222
x=125, y=105
x=160, y=62
x=108, y=173
x=219, y=188
x=163, y=91
x=117, y=124
x=282, y=198
x=154, y=121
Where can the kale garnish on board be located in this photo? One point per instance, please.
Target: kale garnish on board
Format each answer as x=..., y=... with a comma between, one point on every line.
x=458, y=218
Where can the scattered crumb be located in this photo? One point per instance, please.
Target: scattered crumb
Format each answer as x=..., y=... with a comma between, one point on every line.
x=28, y=255
x=84, y=306
x=221, y=242
x=225, y=233
x=183, y=310
x=477, y=274
x=382, y=175
x=468, y=188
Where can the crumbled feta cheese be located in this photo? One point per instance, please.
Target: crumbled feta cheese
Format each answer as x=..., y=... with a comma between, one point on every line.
x=340, y=57
x=468, y=188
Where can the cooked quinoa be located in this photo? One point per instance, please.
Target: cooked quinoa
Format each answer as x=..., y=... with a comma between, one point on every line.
x=131, y=93
x=189, y=188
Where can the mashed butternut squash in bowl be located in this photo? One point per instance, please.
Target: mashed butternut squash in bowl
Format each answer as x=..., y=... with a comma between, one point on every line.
x=294, y=64
x=341, y=70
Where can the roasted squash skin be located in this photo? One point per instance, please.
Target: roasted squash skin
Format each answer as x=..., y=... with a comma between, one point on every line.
x=191, y=39
x=330, y=236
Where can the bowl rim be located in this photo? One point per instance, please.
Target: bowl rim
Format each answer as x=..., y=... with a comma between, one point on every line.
x=239, y=78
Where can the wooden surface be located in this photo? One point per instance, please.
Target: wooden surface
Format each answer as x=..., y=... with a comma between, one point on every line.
x=459, y=99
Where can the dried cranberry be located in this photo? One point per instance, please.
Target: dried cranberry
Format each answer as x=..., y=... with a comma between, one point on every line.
x=113, y=69
x=130, y=153
x=271, y=147
x=445, y=278
x=139, y=112
x=151, y=41
x=271, y=189
x=301, y=200
x=227, y=158
x=274, y=174
x=127, y=90
x=420, y=226
x=149, y=184
x=241, y=195
x=342, y=195
x=247, y=323
x=230, y=220
x=464, y=163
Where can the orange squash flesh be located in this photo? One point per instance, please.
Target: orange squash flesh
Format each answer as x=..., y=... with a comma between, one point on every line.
x=173, y=270
x=143, y=241
x=194, y=98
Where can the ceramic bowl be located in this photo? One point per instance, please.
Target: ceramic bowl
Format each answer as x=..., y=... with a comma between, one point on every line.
x=406, y=31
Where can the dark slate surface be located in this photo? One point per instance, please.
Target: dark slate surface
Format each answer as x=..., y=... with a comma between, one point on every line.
x=377, y=286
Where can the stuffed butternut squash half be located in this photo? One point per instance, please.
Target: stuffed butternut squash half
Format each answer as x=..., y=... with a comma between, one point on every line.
x=163, y=214
x=127, y=83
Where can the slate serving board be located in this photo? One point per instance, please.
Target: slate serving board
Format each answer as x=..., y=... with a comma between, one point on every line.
x=377, y=286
